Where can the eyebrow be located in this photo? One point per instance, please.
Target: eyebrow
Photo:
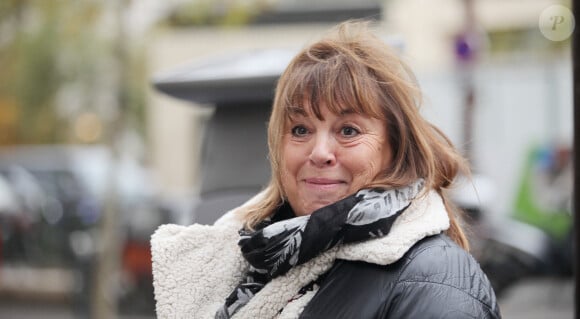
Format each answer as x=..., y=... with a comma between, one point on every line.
x=298, y=110
x=348, y=111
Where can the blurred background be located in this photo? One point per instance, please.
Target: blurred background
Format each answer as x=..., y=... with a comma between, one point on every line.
x=117, y=116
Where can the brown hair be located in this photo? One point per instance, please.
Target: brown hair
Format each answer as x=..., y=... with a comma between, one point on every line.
x=352, y=68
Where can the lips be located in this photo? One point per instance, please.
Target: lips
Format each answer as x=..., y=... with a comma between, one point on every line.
x=324, y=184
x=323, y=181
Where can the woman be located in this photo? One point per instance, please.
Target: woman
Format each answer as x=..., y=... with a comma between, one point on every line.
x=355, y=222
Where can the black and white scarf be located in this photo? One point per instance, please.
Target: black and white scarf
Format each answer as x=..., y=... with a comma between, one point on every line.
x=284, y=241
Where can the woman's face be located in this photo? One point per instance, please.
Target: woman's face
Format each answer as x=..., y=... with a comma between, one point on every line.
x=324, y=161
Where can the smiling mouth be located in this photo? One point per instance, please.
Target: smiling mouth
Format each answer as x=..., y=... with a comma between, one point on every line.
x=323, y=181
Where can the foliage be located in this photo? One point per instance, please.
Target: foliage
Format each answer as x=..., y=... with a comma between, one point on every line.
x=60, y=60
x=217, y=12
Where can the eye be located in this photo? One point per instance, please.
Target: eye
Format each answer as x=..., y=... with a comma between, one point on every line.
x=299, y=131
x=349, y=131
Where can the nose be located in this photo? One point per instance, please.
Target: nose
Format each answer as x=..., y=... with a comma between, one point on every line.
x=323, y=151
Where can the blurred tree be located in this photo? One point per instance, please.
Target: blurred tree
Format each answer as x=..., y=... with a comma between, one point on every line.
x=218, y=12
x=58, y=66
x=72, y=74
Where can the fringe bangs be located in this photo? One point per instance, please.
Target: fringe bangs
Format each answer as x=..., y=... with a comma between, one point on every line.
x=338, y=83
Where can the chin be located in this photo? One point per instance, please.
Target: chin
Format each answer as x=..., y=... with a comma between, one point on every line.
x=311, y=209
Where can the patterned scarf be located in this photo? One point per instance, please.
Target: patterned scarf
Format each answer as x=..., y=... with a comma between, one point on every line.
x=284, y=241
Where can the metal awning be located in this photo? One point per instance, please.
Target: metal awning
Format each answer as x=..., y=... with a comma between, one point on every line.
x=231, y=78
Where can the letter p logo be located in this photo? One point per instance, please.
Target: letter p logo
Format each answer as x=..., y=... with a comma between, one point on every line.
x=556, y=23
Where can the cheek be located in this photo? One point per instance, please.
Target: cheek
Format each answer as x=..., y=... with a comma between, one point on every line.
x=363, y=171
x=287, y=161
x=367, y=163
x=293, y=156
x=289, y=166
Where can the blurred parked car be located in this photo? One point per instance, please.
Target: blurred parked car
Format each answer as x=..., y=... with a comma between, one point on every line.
x=51, y=202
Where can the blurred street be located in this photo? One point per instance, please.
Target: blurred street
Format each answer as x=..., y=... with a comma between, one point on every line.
x=539, y=299
x=531, y=299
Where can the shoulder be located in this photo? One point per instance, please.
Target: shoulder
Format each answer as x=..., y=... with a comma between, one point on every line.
x=438, y=276
x=439, y=259
x=435, y=279
x=434, y=254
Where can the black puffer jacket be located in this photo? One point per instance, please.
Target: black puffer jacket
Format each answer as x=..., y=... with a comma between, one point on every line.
x=435, y=279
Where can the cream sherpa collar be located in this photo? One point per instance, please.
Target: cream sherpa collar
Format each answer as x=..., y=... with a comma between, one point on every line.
x=195, y=267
